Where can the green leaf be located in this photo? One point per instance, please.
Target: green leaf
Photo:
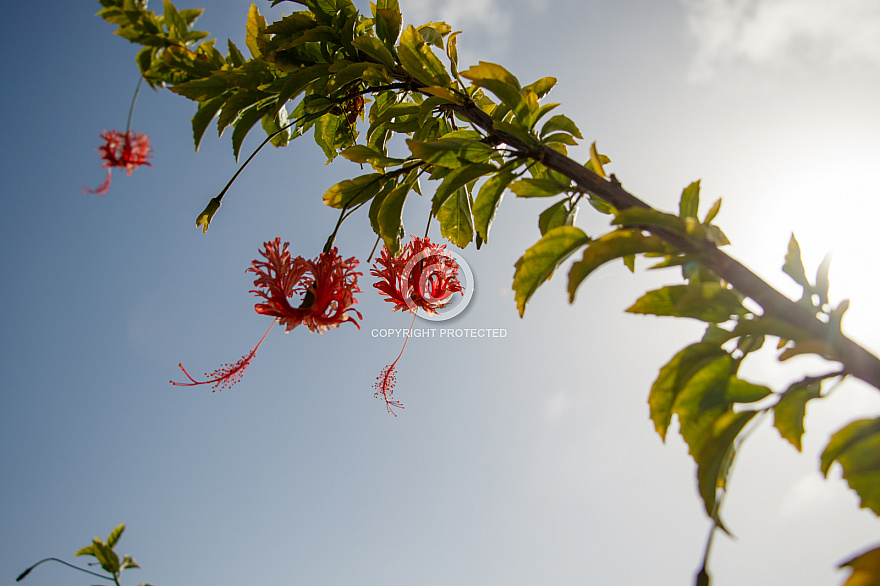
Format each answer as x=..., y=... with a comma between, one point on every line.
x=617, y=244
x=596, y=161
x=542, y=258
x=327, y=134
x=553, y=217
x=375, y=49
x=128, y=562
x=541, y=87
x=865, y=569
x=458, y=178
x=452, y=152
x=114, y=536
x=351, y=192
x=503, y=84
x=420, y=61
x=856, y=448
x=674, y=376
x=236, y=59
x=709, y=302
x=202, y=89
x=742, y=391
x=794, y=266
x=297, y=81
x=364, y=154
x=235, y=105
x=431, y=36
x=456, y=221
x=256, y=24
x=390, y=218
x=715, y=456
x=713, y=211
x=388, y=23
x=643, y=217
x=245, y=122
x=203, y=116
x=488, y=200
x=789, y=412
x=204, y=219
x=452, y=52
x=690, y=201
x=561, y=123
x=537, y=187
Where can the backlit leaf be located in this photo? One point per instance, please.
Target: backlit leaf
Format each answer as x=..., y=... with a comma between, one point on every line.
x=713, y=459
x=256, y=24
x=502, y=83
x=856, y=448
x=452, y=152
x=537, y=187
x=420, y=61
x=542, y=258
x=865, y=569
x=674, y=376
x=456, y=222
x=487, y=202
x=794, y=266
x=690, y=201
x=789, y=412
x=708, y=302
x=203, y=116
x=390, y=218
x=458, y=178
x=617, y=244
x=388, y=22
x=351, y=192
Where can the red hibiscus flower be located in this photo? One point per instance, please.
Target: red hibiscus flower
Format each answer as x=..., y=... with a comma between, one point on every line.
x=423, y=276
x=126, y=150
x=326, y=285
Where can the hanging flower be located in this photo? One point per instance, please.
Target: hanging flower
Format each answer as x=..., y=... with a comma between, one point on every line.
x=423, y=276
x=326, y=285
x=126, y=150
x=228, y=374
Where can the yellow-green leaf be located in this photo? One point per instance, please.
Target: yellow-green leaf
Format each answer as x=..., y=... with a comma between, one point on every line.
x=420, y=61
x=709, y=302
x=488, y=200
x=674, y=376
x=542, y=258
x=856, y=448
x=617, y=244
x=789, y=412
x=456, y=221
x=351, y=192
x=256, y=24
x=865, y=569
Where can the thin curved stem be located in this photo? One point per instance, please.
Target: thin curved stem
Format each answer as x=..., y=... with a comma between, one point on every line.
x=28, y=571
x=134, y=98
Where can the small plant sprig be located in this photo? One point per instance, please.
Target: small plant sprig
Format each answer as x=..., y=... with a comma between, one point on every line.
x=101, y=551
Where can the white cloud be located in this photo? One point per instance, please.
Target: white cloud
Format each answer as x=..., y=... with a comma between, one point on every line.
x=782, y=33
x=468, y=15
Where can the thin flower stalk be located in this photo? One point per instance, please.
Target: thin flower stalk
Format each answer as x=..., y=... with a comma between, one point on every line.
x=386, y=380
x=228, y=374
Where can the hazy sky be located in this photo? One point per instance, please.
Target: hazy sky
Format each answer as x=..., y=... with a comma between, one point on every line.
x=522, y=460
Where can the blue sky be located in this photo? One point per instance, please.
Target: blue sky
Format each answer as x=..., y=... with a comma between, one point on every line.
x=527, y=459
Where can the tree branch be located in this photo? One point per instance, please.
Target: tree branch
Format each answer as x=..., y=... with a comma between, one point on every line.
x=858, y=362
